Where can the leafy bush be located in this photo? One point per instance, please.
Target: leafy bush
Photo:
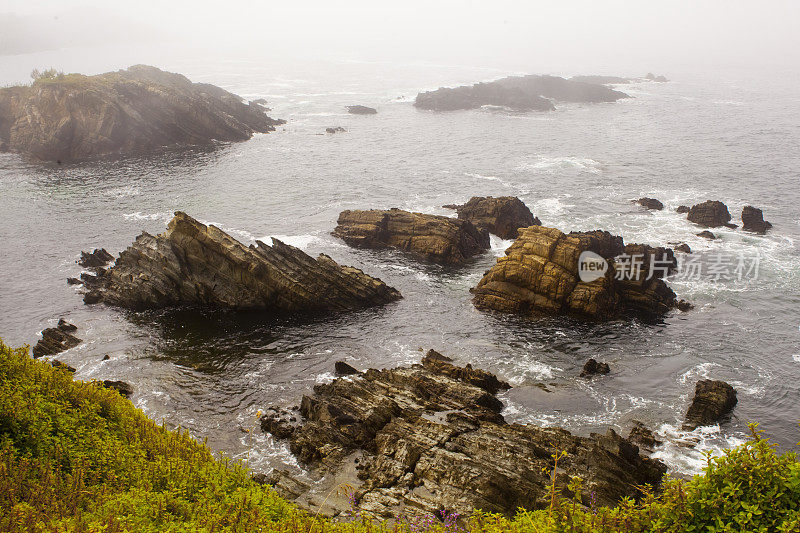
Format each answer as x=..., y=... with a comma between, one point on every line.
x=75, y=456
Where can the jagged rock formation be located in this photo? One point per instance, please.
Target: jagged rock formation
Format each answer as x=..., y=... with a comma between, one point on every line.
x=430, y=237
x=712, y=400
x=650, y=203
x=540, y=275
x=56, y=340
x=522, y=93
x=98, y=258
x=710, y=214
x=73, y=117
x=501, y=216
x=361, y=110
x=753, y=220
x=593, y=367
x=430, y=437
x=198, y=265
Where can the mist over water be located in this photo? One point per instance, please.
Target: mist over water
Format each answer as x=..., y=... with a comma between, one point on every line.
x=729, y=133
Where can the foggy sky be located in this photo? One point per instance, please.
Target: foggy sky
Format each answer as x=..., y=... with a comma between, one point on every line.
x=637, y=34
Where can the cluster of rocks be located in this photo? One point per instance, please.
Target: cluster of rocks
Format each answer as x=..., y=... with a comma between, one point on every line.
x=540, y=275
x=430, y=438
x=73, y=117
x=56, y=340
x=194, y=264
x=522, y=93
x=433, y=238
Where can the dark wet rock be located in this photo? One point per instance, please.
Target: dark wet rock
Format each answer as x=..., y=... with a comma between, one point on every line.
x=335, y=129
x=712, y=400
x=98, y=258
x=650, y=203
x=343, y=369
x=502, y=216
x=361, y=110
x=707, y=235
x=433, y=238
x=63, y=366
x=198, y=265
x=105, y=358
x=74, y=117
x=522, y=93
x=125, y=389
x=539, y=276
x=644, y=438
x=683, y=247
x=592, y=367
x=683, y=305
x=683, y=209
x=601, y=80
x=74, y=281
x=280, y=422
x=430, y=437
x=710, y=214
x=93, y=297
x=753, y=220
x=56, y=340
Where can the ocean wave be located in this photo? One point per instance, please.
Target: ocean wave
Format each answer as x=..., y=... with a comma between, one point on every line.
x=685, y=451
x=560, y=163
x=165, y=216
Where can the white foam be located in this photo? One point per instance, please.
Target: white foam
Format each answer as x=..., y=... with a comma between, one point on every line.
x=499, y=246
x=559, y=163
x=701, y=371
x=298, y=241
x=166, y=216
x=685, y=451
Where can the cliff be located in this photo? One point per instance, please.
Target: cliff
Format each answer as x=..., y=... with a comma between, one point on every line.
x=73, y=117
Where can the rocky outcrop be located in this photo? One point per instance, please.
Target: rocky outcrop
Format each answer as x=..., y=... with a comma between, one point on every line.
x=683, y=209
x=501, y=216
x=192, y=264
x=707, y=235
x=361, y=110
x=644, y=438
x=683, y=247
x=343, y=369
x=56, y=340
x=430, y=437
x=522, y=93
x=650, y=203
x=652, y=77
x=540, y=275
x=710, y=214
x=753, y=220
x=73, y=117
x=593, y=367
x=712, y=400
x=433, y=238
x=125, y=389
x=98, y=258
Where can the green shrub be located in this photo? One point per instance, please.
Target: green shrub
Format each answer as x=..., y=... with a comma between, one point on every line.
x=75, y=456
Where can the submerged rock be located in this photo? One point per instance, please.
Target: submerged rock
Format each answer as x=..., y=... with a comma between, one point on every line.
x=502, y=216
x=650, y=203
x=198, y=265
x=98, y=258
x=431, y=437
x=361, y=110
x=522, y=93
x=335, y=129
x=710, y=214
x=712, y=400
x=56, y=340
x=73, y=117
x=539, y=275
x=753, y=220
x=707, y=235
x=433, y=238
x=592, y=367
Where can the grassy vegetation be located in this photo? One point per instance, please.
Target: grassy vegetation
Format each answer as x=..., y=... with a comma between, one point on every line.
x=77, y=457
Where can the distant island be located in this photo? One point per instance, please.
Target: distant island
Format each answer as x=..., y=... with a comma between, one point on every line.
x=520, y=93
x=70, y=117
